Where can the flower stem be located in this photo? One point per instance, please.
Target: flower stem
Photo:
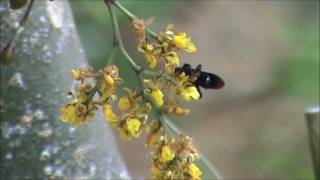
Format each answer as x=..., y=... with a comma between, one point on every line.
x=118, y=38
x=112, y=54
x=173, y=129
x=109, y=61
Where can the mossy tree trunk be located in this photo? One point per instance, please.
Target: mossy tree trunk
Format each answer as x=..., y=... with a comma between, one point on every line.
x=35, y=144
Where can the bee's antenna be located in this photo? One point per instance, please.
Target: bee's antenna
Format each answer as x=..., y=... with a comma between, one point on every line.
x=199, y=67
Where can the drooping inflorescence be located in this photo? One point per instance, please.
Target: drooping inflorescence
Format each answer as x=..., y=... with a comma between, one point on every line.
x=141, y=110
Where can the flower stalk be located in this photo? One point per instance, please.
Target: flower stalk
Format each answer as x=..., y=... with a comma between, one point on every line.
x=173, y=156
x=118, y=38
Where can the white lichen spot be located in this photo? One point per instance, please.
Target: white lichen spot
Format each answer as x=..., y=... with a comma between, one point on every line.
x=8, y=155
x=17, y=81
x=45, y=133
x=39, y=114
x=123, y=175
x=48, y=169
x=72, y=129
x=38, y=95
x=55, y=10
x=43, y=19
x=58, y=172
x=81, y=152
x=34, y=39
x=45, y=154
x=27, y=118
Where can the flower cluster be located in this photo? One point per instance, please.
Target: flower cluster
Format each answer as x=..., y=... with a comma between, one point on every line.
x=80, y=109
x=173, y=158
x=166, y=48
x=130, y=112
x=132, y=117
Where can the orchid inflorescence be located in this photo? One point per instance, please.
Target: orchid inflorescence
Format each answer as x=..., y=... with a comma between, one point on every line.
x=141, y=110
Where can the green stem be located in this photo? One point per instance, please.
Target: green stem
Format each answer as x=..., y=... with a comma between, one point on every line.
x=112, y=54
x=92, y=92
x=97, y=85
x=132, y=16
x=118, y=37
x=176, y=131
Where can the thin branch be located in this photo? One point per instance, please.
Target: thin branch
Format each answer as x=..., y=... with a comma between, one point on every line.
x=26, y=15
x=22, y=22
x=8, y=51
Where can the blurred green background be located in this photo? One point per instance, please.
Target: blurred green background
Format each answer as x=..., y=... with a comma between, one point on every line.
x=268, y=53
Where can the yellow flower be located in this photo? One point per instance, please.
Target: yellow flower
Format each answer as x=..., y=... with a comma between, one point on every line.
x=75, y=74
x=156, y=172
x=69, y=113
x=183, y=78
x=124, y=135
x=77, y=113
x=188, y=92
x=109, y=79
x=151, y=59
x=110, y=115
x=82, y=73
x=175, y=109
x=124, y=103
x=150, y=53
x=79, y=120
x=166, y=154
x=181, y=41
x=194, y=171
x=153, y=140
x=157, y=96
x=173, y=58
x=133, y=126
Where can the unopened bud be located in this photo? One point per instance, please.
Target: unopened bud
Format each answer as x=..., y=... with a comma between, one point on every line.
x=169, y=174
x=112, y=98
x=191, y=157
x=144, y=118
x=7, y=53
x=162, y=139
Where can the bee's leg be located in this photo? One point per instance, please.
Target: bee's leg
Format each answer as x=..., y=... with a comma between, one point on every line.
x=198, y=89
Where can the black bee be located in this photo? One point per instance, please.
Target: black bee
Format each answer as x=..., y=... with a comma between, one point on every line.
x=200, y=78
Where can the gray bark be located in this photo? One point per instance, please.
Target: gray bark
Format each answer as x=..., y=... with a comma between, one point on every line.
x=35, y=143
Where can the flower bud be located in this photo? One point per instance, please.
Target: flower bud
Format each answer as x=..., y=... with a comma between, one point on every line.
x=7, y=54
x=191, y=157
x=169, y=174
x=162, y=139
